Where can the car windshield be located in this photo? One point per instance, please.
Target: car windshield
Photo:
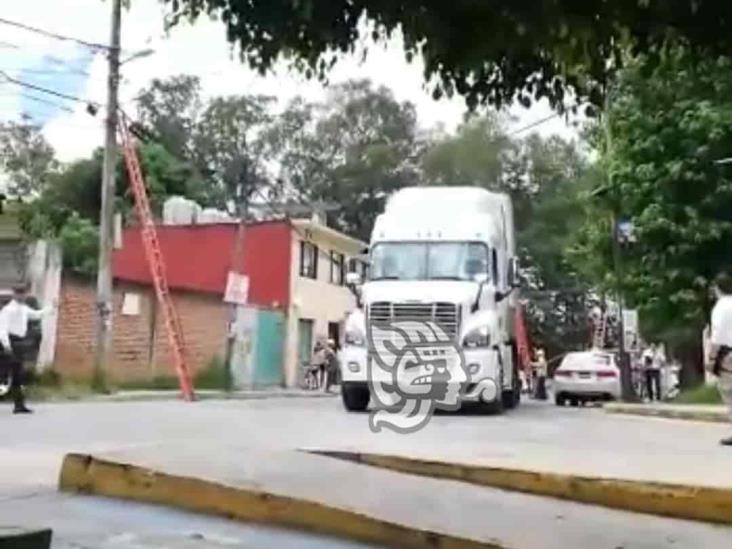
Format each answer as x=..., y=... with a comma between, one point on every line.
x=429, y=261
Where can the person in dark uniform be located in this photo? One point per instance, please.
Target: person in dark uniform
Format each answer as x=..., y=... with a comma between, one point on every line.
x=14, y=318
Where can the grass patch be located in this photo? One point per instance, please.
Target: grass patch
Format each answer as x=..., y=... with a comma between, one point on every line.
x=213, y=376
x=158, y=383
x=701, y=394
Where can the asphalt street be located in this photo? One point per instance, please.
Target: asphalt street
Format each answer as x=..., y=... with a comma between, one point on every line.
x=535, y=435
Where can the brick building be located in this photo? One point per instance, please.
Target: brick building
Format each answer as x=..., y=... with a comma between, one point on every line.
x=290, y=302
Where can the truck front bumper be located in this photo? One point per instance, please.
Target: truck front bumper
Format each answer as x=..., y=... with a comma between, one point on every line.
x=481, y=370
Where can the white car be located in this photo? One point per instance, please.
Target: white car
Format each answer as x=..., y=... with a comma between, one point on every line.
x=586, y=376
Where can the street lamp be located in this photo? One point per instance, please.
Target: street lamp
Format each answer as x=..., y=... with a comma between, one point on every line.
x=138, y=55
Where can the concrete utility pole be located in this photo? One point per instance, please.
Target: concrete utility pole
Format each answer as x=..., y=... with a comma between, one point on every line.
x=103, y=340
x=236, y=260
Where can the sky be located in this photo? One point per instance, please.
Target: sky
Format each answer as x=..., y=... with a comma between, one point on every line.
x=200, y=49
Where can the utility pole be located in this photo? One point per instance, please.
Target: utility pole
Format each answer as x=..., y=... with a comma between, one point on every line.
x=626, y=381
x=236, y=259
x=103, y=340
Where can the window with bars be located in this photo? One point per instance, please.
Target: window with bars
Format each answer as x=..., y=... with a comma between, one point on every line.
x=308, y=260
x=337, y=268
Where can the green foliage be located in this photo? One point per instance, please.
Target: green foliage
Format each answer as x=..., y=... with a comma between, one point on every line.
x=157, y=383
x=213, y=376
x=26, y=158
x=79, y=239
x=491, y=52
x=222, y=141
x=668, y=125
x=361, y=148
x=701, y=394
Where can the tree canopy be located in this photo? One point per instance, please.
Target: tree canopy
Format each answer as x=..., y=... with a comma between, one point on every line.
x=668, y=125
x=490, y=52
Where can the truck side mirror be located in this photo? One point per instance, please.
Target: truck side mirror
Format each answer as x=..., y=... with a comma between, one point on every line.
x=353, y=283
x=353, y=279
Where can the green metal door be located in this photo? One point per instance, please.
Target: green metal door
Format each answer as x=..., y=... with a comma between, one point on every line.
x=270, y=342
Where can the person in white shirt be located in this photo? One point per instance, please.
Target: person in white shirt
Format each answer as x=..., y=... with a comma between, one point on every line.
x=14, y=318
x=720, y=340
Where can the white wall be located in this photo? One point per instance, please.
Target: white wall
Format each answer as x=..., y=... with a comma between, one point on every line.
x=44, y=273
x=318, y=300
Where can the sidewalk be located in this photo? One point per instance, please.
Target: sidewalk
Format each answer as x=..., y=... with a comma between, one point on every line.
x=693, y=412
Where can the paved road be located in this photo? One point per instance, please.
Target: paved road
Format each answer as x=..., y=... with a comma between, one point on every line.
x=536, y=435
x=81, y=522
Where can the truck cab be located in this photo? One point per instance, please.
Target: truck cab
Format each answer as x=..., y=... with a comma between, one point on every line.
x=446, y=255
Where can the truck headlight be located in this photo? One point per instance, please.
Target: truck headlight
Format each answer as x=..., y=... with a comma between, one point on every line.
x=355, y=337
x=479, y=337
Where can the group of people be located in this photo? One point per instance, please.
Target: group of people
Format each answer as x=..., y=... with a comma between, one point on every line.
x=323, y=367
x=14, y=319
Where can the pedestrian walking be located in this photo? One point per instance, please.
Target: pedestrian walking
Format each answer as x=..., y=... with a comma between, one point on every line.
x=14, y=318
x=653, y=361
x=720, y=340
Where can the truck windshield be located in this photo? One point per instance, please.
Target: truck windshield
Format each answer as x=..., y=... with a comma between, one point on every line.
x=429, y=261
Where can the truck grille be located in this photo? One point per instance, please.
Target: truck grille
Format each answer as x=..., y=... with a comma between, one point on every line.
x=446, y=315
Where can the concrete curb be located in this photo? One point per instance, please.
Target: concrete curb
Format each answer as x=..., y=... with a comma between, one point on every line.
x=144, y=396
x=87, y=474
x=670, y=500
x=691, y=414
x=169, y=396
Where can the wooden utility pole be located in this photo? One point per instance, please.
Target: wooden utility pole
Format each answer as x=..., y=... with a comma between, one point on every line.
x=103, y=341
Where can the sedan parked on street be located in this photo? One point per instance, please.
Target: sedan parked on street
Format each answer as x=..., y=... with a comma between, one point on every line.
x=586, y=376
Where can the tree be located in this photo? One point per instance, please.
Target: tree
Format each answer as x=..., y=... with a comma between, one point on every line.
x=230, y=147
x=26, y=158
x=223, y=139
x=476, y=155
x=170, y=110
x=493, y=52
x=360, y=148
x=668, y=123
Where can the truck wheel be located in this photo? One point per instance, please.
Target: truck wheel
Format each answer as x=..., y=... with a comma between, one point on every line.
x=355, y=397
x=494, y=408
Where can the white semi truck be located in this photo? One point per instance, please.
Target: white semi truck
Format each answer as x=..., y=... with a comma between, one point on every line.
x=446, y=254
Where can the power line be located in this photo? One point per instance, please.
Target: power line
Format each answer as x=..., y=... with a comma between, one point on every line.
x=45, y=71
x=533, y=124
x=92, y=45
x=43, y=89
x=46, y=102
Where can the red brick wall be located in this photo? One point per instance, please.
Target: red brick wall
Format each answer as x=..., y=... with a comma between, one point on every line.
x=134, y=357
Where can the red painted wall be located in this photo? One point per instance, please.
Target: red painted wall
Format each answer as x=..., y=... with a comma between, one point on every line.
x=198, y=257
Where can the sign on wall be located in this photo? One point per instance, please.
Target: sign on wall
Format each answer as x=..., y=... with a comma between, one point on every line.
x=237, y=289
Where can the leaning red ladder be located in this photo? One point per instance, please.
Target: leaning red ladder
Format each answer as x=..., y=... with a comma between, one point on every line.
x=156, y=263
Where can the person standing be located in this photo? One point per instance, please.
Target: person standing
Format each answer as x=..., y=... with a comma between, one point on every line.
x=331, y=365
x=541, y=368
x=652, y=363
x=720, y=341
x=14, y=318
